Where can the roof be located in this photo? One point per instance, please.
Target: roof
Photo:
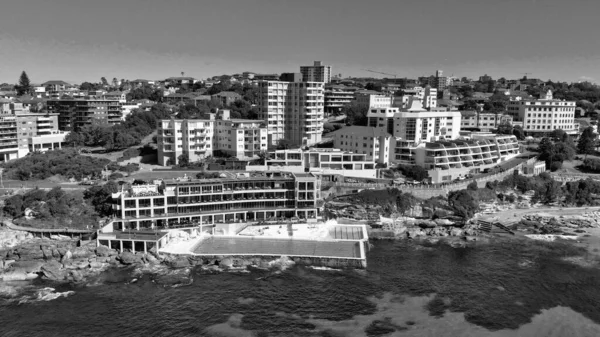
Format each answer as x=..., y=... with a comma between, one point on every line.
x=179, y=78
x=227, y=93
x=112, y=93
x=365, y=131
x=468, y=113
x=55, y=82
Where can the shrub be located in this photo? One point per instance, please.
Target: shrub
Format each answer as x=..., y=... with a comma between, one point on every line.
x=116, y=176
x=472, y=186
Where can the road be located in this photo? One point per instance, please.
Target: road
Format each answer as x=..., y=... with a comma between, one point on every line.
x=514, y=214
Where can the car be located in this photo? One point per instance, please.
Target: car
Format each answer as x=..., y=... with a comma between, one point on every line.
x=350, y=180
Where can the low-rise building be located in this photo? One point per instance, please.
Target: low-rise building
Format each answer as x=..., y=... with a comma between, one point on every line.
x=375, y=143
x=449, y=160
x=372, y=99
x=542, y=116
x=25, y=133
x=336, y=97
x=326, y=163
x=242, y=197
x=226, y=97
x=482, y=121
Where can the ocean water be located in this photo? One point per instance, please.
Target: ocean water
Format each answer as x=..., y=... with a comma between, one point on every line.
x=503, y=288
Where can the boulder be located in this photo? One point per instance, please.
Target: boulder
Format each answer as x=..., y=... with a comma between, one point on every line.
x=151, y=259
x=96, y=265
x=415, y=233
x=179, y=261
x=105, y=251
x=129, y=258
x=456, y=232
x=18, y=276
x=6, y=263
x=75, y=276
x=226, y=263
x=81, y=252
x=52, y=270
x=27, y=266
x=67, y=256
x=30, y=253
x=427, y=224
x=443, y=222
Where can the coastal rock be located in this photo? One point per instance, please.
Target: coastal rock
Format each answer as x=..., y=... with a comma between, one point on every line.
x=129, y=258
x=30, y=253
x=67, y=256
x=96, y=265
x=443, y=222
x=226, y=262
x=456, y=232
x=18, y=276
x=179, y=261
x=52, y=270
x=427, y=224
x=81, y=252
x=6, y=263
x=75, y=276
x=415, y=233
x=105, y=251
x=151, y=259
x=27, y=266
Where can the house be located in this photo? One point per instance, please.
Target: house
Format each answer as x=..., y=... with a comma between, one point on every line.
x=227, y=97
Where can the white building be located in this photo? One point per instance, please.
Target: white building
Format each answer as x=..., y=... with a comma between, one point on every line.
x=449, y=160
x=427, y=96
x=294, y=111
x=373, y=100
x=375, y=143
x=416, y=124
x=326, y=163
x=485, y=122
x=201, y=138
x=542, y=116
x=316, y=73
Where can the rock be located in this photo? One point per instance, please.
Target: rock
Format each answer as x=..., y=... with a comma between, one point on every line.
x=75, y=275
x=470, y=238
x=129, y=258
x=81, y=252
x=30, y=253
x=18, y=276
x=427, y=224
x=414, y=233
x=443, y=222
x=67, y=256
x=105, y=251
x=7, y=263
x=151, y=259
x=96, y=265
x=27, y=266
x=226, y=263
x=456, y=232
x=52, y=270
x=179, y=261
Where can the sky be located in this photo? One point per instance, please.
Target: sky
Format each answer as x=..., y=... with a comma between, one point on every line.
x=83, y=40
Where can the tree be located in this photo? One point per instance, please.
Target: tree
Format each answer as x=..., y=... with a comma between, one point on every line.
x=404, y=203
x=356, y=114
x=472, y=186
x=87, y=86
x=115, y=82
x=505, y=128
x=463, y=203
x=586, y=143
x=104, y=81
x=183, y=160
x=518, y=132
x=24, y=86
x=558, y=134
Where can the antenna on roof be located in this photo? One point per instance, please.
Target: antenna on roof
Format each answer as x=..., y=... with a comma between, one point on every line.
x=182, y=73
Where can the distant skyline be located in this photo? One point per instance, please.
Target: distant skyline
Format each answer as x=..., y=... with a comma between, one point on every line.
x=80, y=40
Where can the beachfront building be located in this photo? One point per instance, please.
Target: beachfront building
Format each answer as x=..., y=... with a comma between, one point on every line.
x=539, y=117
x=416, y=124
x=73, y=113
x=201, y=138
x=449, y=160
x=293, y=111
x=242, y=197
x=485, y=122
x=374, y=143
x=326, y=163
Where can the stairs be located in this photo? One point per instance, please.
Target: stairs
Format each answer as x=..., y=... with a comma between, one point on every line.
x=487, y=226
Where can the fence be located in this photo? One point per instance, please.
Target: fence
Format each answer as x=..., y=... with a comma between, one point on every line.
x=427, y=191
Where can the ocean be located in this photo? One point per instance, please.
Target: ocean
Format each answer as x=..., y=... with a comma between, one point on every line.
x=501, y=288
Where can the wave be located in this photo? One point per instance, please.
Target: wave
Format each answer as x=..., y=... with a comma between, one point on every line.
x=43, y=294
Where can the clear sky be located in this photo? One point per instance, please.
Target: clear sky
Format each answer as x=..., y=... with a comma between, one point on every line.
x=82, y=40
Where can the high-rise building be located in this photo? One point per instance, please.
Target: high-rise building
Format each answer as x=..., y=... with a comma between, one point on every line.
x=336, y=97
x=293, y=111
x=316, y=73
x=28, y=132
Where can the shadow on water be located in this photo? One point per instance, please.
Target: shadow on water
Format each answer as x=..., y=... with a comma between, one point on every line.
x=498, y=285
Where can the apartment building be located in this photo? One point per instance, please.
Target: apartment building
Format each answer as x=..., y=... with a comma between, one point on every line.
x=539, y=117
x=25, y=133
x=372, y=99
x=201, y=138
x=325, y=163
x=294, y=111
x=416, y=124
x=336, y=97
x=316, y=73
x=75, y=113
x=449, y=160
x=426, y=96
x=248, y=196
x=55, y=89
x=374, y=143
x=485, y=122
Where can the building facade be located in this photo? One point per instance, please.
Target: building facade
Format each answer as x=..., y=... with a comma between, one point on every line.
x=374, y=143
x=248, y=196
x=449, y=160
x=485, y=122
x=201, y=138
x=542, y=116
x=25, y=133
x=73, y=114
x=336, y=97
x=316, y=73
x=293, y=111
x=372, y=100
